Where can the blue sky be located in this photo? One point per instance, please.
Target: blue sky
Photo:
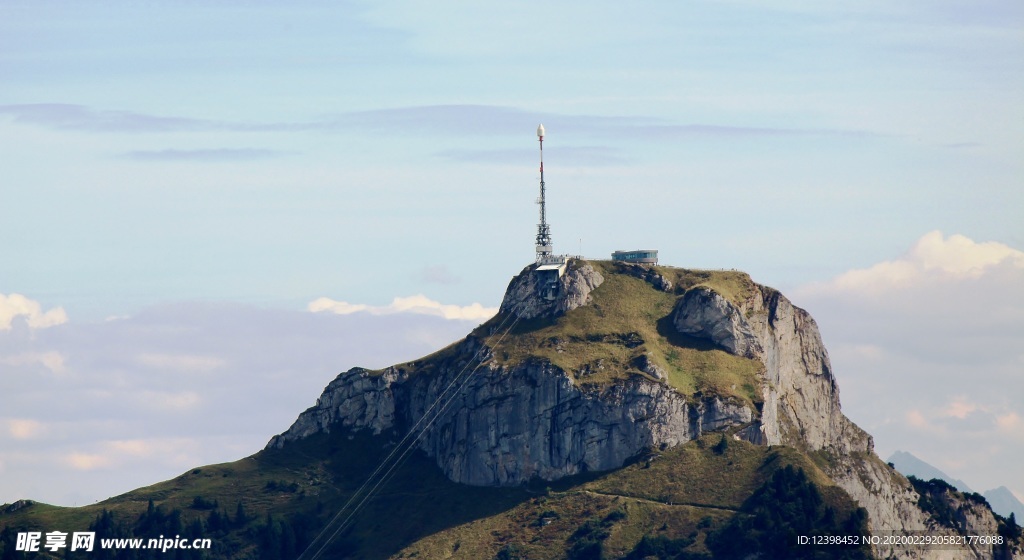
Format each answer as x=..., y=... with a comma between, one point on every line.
x=247, y=155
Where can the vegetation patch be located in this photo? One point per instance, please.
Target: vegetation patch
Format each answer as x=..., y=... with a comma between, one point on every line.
x=630, y=322
x=667, y=505
x=252, y=522
x=933, y=499
x=789, y=504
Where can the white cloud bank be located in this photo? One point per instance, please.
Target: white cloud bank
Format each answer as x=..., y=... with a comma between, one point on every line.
x=93, y=409
x=17, y=305
x=928, y=350
x=417, y=304
x=24, y=429
x=933, y=258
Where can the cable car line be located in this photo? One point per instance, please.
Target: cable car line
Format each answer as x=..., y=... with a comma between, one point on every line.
x=414, y=433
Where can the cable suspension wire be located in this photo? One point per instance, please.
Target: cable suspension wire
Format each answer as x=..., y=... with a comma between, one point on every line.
x=405, y=453
x=414, y=433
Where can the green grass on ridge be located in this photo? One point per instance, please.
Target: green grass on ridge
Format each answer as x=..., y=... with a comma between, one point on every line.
x=600, y=344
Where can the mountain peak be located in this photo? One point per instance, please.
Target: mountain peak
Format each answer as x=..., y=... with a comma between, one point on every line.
x=608, y=406
x=908, y=464
x=713, y=346
x=1004, y=502
x=587, y=368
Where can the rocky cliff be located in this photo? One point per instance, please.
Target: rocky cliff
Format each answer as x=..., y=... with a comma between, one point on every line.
x=801, y=409
x=494, y=413
x=509, y=423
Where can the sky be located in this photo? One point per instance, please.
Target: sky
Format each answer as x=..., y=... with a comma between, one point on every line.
x=209, y=209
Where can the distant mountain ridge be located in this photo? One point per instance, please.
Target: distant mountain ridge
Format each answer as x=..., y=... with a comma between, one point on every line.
x=1004, y=502
x=1001, y=499
x=908, y=464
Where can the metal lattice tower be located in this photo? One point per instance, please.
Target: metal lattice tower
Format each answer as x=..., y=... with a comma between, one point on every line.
x=543, y=230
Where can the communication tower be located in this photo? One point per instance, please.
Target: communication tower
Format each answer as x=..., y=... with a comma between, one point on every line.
x=543, y=230
x=550, y=267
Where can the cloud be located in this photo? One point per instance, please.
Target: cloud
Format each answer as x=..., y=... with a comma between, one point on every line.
x=17, y=305
x=128, y=453
x=916, y=419
x=78, y=117
x=51, y=360
x=960, y=408
x=438, y=274
x=181, y=362
x=139, y=447
x=490, y=120
x=172, y=401
x=932, y=258
x=458, y=120
x=417, y=304
x=947, y=300
x=145, y=396
x=22, y=428
x=566, y=156
x=86, y=461
x=1010, y=422
x=214, y=155
x=180, y=450
x=962, y=417
x=678, y=131
x=928, y=349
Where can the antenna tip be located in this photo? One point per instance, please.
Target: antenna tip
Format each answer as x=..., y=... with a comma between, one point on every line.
x=540, y=131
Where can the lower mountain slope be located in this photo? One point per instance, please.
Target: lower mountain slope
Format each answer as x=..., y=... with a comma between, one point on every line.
x=642, y=412
x=272, y=505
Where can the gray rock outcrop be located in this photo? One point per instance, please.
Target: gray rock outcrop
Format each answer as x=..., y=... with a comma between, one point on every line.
x=509, y=425
x=646, y=273
x=574, y=291
x=801, y=408
x=357, y=398
x=801, y=398
x=703, y=313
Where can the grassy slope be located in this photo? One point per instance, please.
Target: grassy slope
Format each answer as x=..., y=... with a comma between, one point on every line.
x=599, y=343
x=689, y=490
x=326, y=469
x=685, y=492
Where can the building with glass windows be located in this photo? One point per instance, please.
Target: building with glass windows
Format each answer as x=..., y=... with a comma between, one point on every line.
x=642, y=256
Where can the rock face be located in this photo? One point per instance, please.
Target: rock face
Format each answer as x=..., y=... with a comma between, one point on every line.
x=801, y=396
x=705, y=314
x=574, y=291
x=357, y=398
x=509, y=424
x=801, y=409
x=647, y=274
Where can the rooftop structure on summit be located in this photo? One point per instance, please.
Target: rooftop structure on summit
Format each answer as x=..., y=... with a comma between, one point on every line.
x=641, y=256
x=550, y=267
